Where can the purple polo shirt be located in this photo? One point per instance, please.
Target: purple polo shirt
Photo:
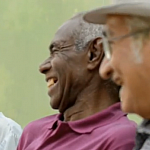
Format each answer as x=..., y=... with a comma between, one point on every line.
x=109, y=129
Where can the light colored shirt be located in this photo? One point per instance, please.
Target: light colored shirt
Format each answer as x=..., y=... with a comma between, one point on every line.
x=10, y=133
x=109, y=129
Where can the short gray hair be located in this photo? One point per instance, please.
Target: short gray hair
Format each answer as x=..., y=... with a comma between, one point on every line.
x=85, y=32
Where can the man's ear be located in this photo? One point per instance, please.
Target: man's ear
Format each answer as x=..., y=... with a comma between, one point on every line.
x=95, y=53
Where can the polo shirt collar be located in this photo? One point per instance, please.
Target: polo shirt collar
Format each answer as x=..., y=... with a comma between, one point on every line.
x=88, y=124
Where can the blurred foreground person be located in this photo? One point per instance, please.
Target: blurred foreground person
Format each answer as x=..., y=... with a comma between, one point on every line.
x=10, y=133
x=127, y=48
x=90, y=116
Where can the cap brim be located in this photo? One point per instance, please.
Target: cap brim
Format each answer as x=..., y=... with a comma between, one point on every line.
x=99, y=16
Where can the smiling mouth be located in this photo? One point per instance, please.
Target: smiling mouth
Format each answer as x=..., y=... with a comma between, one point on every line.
x=51, y=82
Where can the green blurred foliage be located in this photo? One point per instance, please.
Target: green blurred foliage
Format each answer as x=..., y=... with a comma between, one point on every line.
x=26, y=29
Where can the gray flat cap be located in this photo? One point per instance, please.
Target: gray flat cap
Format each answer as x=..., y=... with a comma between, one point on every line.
x=121, y=7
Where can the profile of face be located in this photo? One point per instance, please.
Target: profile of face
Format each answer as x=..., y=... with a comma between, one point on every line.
x=67, y=70
x=126, y=70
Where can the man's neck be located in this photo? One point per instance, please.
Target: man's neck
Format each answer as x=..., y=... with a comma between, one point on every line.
x=88, y=103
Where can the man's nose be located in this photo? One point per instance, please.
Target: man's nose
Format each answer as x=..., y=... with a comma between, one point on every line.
x=105, y=69
x=45, y=66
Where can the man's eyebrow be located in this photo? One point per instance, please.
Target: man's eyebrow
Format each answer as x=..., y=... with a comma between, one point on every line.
x=55, y=45
x=51, y=47
x=104, y=33
x=110, y=33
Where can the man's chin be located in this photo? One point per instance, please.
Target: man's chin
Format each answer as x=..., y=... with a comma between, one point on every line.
x=126, y=106
x=54, y=103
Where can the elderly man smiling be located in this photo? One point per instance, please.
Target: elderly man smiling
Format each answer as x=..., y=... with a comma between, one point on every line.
x=90, y=116
x=127, y=48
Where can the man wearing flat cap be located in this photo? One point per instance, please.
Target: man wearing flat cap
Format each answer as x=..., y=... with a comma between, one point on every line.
x=126, y=41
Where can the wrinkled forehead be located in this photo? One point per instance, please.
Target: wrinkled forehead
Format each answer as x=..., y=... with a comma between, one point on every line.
x=116, y=19
x=116, y=23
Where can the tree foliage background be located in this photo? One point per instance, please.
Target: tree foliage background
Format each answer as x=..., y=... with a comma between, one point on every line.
x=26, y=29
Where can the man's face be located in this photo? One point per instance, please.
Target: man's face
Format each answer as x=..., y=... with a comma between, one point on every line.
x=126, y=70
x=65, y=69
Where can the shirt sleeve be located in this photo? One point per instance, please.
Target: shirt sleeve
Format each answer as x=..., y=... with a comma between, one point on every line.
x=10, y=142
x=11, y=133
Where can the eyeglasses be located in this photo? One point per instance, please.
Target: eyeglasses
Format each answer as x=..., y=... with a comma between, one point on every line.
x=107, y=42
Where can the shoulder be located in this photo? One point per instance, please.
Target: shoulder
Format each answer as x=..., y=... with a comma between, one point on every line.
x=39, y=124
x=121, y=131
x=15, y=127
x=4, y=128
x=123, y=128
x=9, y=124
x=118, y=135
x=3, y=123
x=9, y=129
x=35, y=129
x=122, y=136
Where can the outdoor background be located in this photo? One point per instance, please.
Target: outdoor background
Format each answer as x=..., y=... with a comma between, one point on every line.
x=26, y=29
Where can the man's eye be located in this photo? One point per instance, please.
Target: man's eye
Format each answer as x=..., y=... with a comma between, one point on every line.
x=54, y=52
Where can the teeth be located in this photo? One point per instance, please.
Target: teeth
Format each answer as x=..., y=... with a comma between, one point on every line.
x=50, y=82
